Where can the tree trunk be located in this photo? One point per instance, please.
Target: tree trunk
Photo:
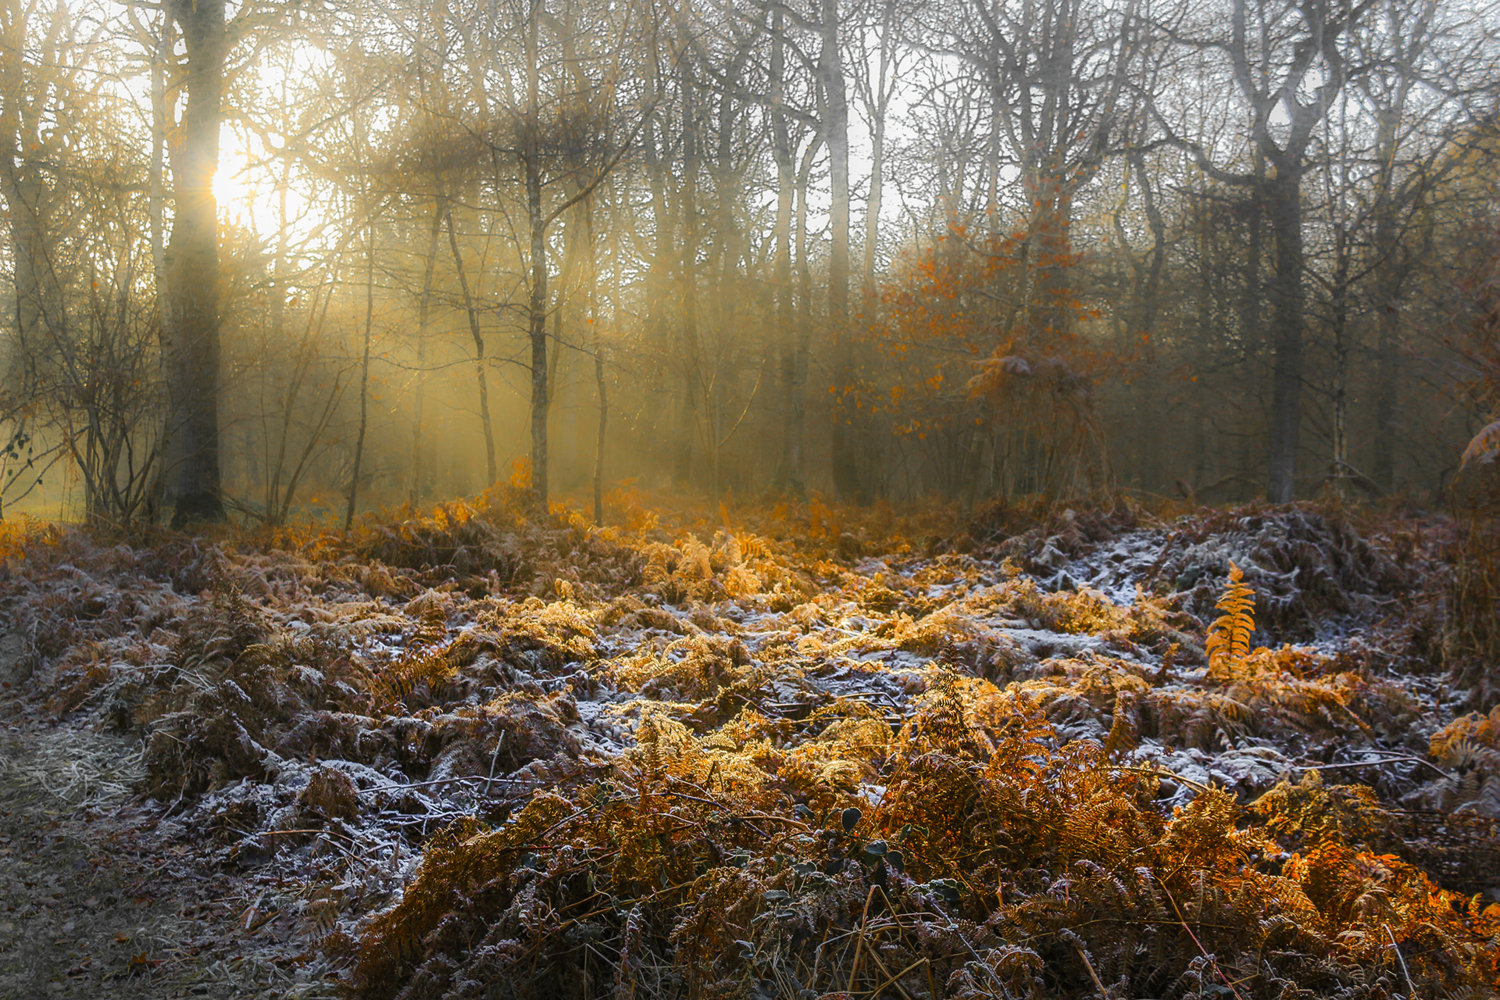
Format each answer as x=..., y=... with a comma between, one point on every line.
x=36, y=301
x=1205, y=333
x=364, y=372
x=38, y=294
x=1339, y=294
x=1387, y=281
x=601, y=387
x=1148, y=425
x=687, y=276
x=424, y=317
x=1252, y=303
x=801, y=347
x=879, y=96
x=481, y=378
x=1285, y=209
x=788, y=476
x=845, y=465
x=659, y=272
x=190, y=316
x=537, y=331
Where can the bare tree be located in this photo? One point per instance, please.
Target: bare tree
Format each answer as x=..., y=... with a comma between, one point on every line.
x=1288, y=62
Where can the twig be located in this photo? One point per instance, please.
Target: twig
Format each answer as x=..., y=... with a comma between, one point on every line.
x=1372, y=763
x=1164, y=773
x=1204, y=951
x=494, y=759
x=315, y=832
x=524, y=782
x=890, y=979
x=1397, y=949
x=1083, y=954
x=860, y=941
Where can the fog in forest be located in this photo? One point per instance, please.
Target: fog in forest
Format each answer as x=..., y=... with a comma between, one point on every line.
x=966, y=499
x=263, y=260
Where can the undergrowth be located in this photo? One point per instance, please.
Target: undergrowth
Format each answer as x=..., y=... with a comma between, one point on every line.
x=996, y=862
x=796, y=750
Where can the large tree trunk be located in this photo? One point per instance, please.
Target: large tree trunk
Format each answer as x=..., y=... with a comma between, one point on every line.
x=190, y=313
x=28, y=200
x=37, y=303
x=877, y=94
x=1386, y=391
x=870, y=294
x=601, y=389
x=1285, y=209
x=1149, y=295
x=1206, y=333
x=1339, y=322
x=659, y=270
x=1251, y=304
x=537, y=332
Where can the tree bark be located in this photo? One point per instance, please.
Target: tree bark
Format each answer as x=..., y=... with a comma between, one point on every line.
x=1388, y=278
x=190, y=313
x=1252, y=302
x=1339, y=321
x=601, y=388
x=877, y=95
x=1285, y=209
x=801, y=347
x=25, y=96
x=687, y=278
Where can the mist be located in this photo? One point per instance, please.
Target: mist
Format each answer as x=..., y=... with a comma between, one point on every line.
x=267, y=264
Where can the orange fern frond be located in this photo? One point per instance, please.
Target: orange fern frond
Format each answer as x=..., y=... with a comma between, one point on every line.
x=1229, y=636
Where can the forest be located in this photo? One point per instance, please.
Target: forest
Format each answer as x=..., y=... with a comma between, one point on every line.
x=777, y=499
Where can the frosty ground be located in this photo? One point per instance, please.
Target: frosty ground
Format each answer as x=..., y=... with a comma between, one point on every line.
x=794, y=751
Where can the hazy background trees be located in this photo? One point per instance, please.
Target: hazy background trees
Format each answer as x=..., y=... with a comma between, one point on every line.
x=265, y=261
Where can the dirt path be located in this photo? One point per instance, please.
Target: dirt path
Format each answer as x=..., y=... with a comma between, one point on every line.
x=94, y=903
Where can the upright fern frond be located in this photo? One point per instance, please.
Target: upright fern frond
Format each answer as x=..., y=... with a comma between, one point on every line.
x=1229, y=636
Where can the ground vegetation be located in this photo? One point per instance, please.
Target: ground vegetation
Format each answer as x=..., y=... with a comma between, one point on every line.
x=1046, y=750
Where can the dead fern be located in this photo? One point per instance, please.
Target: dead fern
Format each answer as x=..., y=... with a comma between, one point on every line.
x=421, y=672
x=1229, y=636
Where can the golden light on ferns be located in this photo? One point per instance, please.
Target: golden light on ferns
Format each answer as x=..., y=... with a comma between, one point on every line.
x=1229, y=636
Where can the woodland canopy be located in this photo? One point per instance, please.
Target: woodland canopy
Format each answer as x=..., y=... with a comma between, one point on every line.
x=272, y=257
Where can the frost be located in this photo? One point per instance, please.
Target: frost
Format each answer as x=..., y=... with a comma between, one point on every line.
x=752, y=716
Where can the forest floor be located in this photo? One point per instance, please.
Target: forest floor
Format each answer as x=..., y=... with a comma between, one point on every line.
x=92, y=902
x=794, y=752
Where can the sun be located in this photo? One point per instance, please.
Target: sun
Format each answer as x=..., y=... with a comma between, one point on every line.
x=246, y=193
x=244, y=189
x=240, y=199
x=253, y=161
